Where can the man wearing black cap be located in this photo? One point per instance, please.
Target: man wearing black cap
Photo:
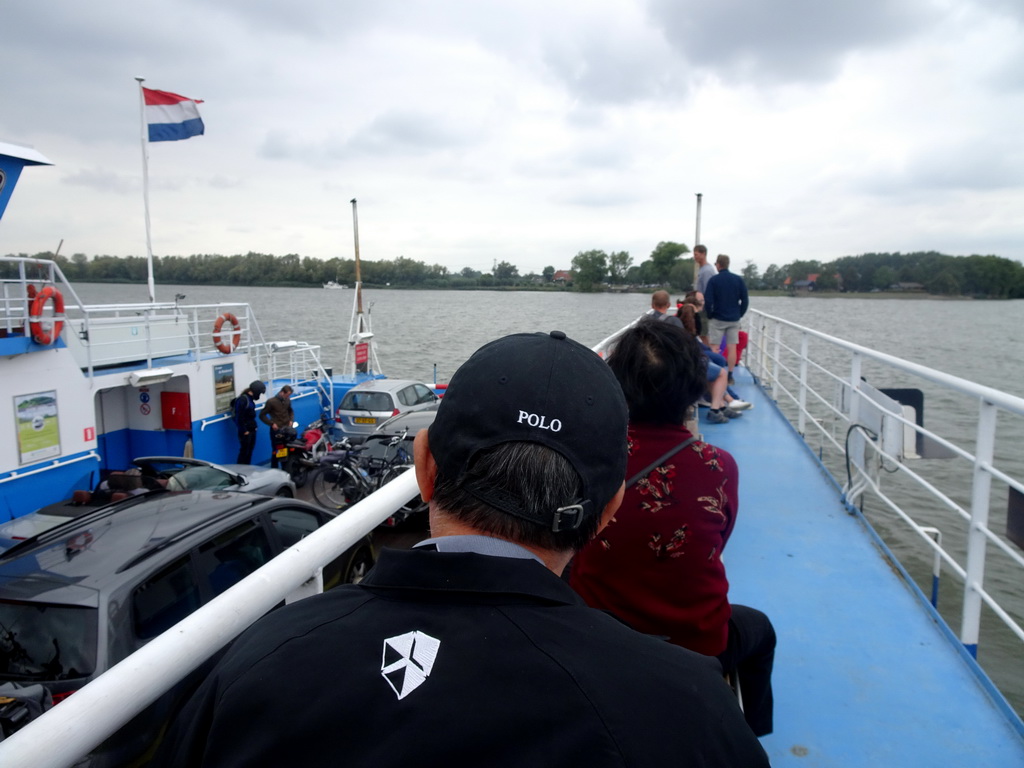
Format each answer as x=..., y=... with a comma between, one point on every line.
x=244, y=407
x=469, y=649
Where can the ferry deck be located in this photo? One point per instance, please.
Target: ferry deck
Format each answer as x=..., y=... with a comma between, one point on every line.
x=864, y=673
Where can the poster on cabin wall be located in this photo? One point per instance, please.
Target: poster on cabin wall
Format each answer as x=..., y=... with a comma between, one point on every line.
x=223, y=387
x=38, y=429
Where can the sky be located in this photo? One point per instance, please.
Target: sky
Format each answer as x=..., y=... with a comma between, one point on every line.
x=475, y=131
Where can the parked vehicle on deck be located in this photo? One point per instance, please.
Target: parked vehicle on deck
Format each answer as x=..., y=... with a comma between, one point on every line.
x=371, y=403
x=78, y=598
x=149, y=473
x=298, y=455
x=353, y=472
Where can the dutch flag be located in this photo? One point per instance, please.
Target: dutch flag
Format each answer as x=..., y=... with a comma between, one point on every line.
x=171, y=117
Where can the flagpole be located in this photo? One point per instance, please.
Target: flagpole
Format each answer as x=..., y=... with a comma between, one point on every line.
x=145, y=189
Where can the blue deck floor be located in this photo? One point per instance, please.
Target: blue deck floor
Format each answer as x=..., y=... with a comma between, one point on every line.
x=863, y=675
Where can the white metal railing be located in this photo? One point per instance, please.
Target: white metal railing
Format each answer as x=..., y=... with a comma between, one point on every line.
x=826, y=391
x=55, y=464
x=296, y=362
x=109, y=334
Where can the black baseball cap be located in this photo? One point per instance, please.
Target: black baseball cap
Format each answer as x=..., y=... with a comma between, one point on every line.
x=537, y=388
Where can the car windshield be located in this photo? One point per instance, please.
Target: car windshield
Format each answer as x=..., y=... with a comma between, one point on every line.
x=43, y=642
x=198, y=478
x=366, y=401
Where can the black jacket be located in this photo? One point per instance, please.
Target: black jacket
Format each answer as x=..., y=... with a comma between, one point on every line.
x=245, y=413
x=489, y=660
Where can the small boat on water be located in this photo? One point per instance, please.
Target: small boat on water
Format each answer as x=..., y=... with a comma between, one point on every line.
x=332, y=285
x=867, y=672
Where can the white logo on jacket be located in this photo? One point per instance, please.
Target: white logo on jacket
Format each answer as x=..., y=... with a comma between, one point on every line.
x=407, y=661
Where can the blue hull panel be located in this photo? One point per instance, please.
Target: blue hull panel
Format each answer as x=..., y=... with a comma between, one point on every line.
x=864, y=673
x=23, y=493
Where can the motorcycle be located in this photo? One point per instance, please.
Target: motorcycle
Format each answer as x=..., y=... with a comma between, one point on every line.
x=298, y=455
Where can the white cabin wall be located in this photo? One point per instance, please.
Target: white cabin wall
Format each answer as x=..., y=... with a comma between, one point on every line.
x=50, y=370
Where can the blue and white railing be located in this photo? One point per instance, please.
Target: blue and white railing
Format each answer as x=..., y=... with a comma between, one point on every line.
x=104, y=335
x=965, y=480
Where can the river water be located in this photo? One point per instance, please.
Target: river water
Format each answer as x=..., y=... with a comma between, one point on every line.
x=421, y=334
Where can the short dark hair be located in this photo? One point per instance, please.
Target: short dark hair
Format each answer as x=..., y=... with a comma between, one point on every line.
x=286, y=390
x=701, y=248
x=539, y=478
x=661, y=369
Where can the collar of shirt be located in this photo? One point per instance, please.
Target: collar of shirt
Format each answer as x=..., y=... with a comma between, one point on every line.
x=480, y=545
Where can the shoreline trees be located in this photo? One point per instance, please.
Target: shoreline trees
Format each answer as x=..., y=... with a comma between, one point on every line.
x=669, y=265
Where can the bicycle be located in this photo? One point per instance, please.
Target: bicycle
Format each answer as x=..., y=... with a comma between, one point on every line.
x=347, y=476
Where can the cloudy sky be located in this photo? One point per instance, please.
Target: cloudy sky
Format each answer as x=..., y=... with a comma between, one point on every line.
x=474, y=131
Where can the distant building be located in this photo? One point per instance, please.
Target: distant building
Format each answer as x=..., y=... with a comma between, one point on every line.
x=908, y=287
x=804, y=286
x=562, y=276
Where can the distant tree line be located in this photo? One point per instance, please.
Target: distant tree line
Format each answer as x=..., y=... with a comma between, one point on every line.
x=668, y=265
x=992, y=277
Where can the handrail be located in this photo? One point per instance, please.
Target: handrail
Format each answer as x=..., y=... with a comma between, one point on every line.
x=997, y=397
x=782, y=368
x=18, y=474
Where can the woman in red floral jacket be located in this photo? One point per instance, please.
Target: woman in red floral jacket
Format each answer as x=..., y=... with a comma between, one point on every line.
x=658, y=564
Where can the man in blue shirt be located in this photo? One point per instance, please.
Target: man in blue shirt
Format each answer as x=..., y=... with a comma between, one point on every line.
x=726, y=301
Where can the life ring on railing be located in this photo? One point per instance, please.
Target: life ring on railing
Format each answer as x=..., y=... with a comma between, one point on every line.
x=35, y=325
x=236, y=337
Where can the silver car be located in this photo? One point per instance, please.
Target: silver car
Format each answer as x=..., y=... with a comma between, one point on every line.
x=150, y=473
x=371, y=403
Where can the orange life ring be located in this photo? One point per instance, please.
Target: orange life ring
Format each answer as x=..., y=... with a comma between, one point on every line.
x=236, y=337
x=35, y=325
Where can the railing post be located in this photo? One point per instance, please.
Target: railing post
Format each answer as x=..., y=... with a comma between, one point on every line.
x=802, y=415
x=855, y=363
x=148, y=315
x=981, y=489
x=775, y=359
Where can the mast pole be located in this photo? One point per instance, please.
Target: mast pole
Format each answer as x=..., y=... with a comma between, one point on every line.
x=361, y=325
x=359, y=277
x=145, y=190
x=696, y=240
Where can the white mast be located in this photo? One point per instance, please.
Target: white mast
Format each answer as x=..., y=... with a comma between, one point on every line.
x=696, y=240
x=145, y=188
x=360, y=335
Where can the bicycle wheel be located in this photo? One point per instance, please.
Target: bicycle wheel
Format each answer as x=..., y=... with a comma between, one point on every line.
x=415, y=504
x=339, y=492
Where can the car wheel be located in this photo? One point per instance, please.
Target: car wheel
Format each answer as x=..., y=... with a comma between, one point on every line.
x=358, y=566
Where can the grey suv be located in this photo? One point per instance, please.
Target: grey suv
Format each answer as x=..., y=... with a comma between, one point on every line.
x=78, y=598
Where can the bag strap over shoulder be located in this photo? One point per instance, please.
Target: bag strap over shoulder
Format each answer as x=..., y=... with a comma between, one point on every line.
x=644, y=472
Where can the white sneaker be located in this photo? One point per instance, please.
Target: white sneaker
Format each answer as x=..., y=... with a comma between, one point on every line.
x=739, y=405
x=703, y=403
